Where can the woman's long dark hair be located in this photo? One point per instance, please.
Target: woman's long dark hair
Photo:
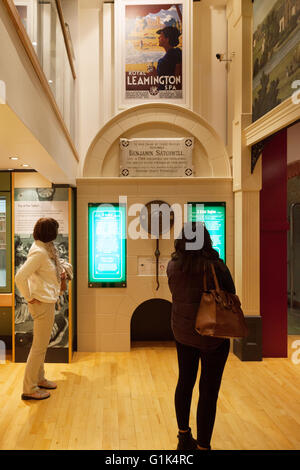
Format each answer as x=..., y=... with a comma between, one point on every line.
x=193, y=261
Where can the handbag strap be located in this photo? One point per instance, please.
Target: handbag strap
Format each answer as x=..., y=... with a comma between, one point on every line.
x=215, y=278
x=204, y=278
x=217, y=286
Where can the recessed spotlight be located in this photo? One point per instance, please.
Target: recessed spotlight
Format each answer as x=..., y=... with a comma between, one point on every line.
x=14, y=158
x=25, y=164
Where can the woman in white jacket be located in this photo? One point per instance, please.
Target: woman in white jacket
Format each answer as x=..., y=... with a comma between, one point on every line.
x=39, y=281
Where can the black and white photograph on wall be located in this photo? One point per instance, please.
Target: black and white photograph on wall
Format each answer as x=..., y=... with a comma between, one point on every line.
x=30, y=205
x=153, y=50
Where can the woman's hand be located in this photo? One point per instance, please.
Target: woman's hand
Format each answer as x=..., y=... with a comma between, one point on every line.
x=34, y=301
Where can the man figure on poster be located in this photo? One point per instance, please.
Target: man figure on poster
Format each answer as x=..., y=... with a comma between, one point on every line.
x=171, y=63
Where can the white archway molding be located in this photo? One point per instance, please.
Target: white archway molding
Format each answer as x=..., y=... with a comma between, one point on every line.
x=157, y=120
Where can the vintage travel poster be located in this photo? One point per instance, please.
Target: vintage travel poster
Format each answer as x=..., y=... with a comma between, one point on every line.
x=154, y=49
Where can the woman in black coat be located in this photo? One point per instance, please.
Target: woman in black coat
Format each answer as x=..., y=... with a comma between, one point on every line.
x=185, y=276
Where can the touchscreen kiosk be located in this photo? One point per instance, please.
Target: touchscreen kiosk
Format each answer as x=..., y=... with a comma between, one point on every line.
x=213, y=214
x=107, y=245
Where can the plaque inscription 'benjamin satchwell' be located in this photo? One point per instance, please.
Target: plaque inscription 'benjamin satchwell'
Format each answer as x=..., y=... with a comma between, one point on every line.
x=156, y=157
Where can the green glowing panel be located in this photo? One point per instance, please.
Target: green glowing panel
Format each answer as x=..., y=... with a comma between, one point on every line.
x=107, y=245
x=213, y=214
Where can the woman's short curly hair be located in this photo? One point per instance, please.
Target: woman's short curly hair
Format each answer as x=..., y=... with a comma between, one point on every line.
x=45, y=229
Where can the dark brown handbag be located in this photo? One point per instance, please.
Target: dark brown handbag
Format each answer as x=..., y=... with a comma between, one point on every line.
x=220, y=314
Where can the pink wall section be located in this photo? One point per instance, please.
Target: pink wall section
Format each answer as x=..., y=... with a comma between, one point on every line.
x=273, y=246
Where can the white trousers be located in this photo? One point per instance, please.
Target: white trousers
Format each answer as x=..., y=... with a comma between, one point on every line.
x=43, y=318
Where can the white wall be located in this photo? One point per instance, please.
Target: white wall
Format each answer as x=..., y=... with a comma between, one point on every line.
x=96, y=69
x=90, y=106
x=218, y=118
x=210, y=75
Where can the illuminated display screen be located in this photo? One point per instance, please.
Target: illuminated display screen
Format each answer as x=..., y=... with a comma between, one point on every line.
x=107, y=245
x=213, y=214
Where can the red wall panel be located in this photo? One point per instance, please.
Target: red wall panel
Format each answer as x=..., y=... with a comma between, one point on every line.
x=273, y=246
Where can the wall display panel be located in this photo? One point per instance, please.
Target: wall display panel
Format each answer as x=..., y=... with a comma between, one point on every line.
x=153, y=50
x=276, y=53
x=213, y=214
x=30, y=204
x=107, y=245
x=5, y=242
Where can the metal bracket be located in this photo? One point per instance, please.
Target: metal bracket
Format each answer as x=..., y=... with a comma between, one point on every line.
x=256, y=151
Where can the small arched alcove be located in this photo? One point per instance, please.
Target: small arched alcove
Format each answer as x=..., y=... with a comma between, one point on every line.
x=151, y=321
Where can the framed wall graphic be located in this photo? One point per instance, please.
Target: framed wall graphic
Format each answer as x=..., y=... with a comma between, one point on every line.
x=276, y=53
x=152, y=52
x=30, y=204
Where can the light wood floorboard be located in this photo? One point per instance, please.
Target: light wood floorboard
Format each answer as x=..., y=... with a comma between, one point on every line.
x=115, y=401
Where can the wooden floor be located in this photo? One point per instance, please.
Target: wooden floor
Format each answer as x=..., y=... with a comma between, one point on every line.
x=125, y=401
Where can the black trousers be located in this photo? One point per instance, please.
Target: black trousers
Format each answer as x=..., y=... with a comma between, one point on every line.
x=212, y=366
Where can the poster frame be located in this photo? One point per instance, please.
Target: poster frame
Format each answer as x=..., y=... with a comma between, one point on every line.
x=55, y=353
x=120, y=21
x=275, y=57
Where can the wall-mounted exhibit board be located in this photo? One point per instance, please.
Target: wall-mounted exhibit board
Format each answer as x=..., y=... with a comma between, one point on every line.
x=30, y=204
x=213, y=214
x=107, y=245
x=5, y=264
x=5, y=232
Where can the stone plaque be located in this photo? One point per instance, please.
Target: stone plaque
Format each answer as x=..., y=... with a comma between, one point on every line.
x=156, y=157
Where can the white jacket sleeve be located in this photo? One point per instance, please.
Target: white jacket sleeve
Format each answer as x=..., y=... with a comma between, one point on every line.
x=31, y=265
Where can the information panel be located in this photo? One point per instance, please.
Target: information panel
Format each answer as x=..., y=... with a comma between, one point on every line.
x=107, y=245
x=213, y=214
x=30, y=204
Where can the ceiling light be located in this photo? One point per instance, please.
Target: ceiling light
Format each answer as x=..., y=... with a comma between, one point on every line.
x=13, y=158
x=25, y=164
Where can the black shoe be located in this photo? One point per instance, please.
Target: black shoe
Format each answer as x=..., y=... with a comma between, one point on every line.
x=205, y=448
x=186, y=441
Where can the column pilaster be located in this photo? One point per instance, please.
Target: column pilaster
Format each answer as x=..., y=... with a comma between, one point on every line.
x=246, y=186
